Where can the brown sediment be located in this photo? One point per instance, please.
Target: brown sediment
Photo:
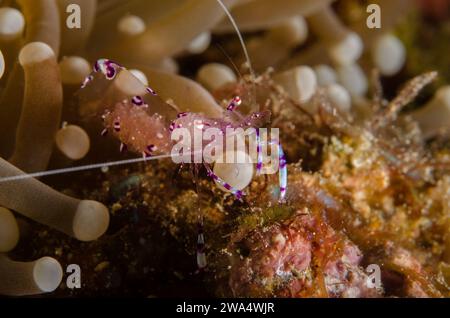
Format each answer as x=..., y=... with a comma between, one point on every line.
x=41, y=113
x=83, y=219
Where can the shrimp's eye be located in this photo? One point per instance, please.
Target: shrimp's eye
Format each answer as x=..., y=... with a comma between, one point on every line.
x=110, y=72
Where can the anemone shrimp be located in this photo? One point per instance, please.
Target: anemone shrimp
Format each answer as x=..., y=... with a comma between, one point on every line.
x=144, y=124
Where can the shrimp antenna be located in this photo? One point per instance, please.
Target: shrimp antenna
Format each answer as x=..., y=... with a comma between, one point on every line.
x=241, y=40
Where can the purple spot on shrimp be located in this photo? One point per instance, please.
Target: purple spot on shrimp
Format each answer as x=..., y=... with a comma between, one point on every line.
x=117, y=126
x=151, y=91
x=172, y=127
x=137, y=100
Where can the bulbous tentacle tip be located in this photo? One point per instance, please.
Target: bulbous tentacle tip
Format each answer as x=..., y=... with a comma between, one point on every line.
x=47, y=274
x=91, y=220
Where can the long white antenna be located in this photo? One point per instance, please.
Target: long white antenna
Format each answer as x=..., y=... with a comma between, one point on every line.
x=241, y=39
x=84, y=168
